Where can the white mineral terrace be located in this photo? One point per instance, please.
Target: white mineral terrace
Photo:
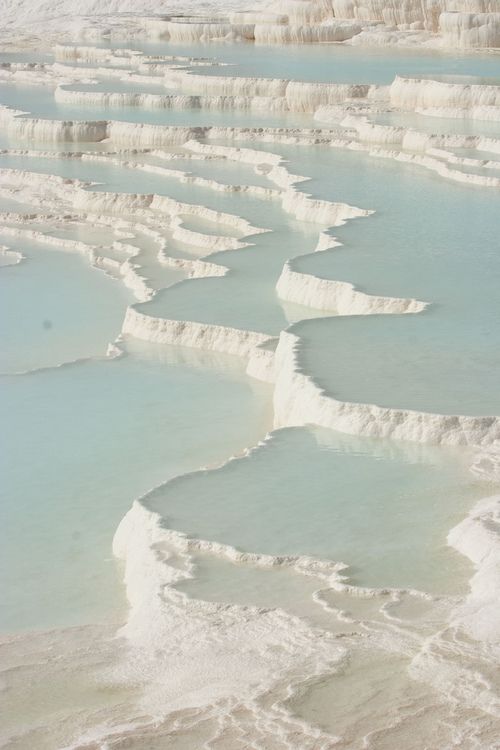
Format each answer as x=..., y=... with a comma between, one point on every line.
x=215, y=200
x=335, y=104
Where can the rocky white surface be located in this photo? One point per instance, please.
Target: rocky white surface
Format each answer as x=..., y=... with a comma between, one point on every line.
x=459, y=24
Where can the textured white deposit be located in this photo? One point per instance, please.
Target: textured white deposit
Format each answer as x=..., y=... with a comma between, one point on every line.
x=260, y=657
x=24, y=13
x=448, y=23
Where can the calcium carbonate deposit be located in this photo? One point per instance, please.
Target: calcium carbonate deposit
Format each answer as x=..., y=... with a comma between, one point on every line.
x=249, y=270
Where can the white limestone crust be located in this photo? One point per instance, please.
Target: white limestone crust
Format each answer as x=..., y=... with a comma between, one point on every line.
x=298, y=400
x=339, y=297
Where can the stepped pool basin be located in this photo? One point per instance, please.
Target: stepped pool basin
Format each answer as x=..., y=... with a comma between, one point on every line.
x=249, y=333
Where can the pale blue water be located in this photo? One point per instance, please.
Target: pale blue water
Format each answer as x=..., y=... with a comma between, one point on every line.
x=55, y=308
x=429, y=239
x=140, y=248
x=83, y=441
x=328, y=62
x=385, y=509
x=40, y=103
x=122, y=179
x=246, y=298
x=109, y=177
x=80, y=443
x=415, y=362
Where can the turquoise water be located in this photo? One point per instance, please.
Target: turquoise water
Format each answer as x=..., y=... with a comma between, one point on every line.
x=328, y=62
x=246, y=297
x=40, y=327
x=384, y=509
x=82, y=441
x=40, y=103
x=414, y=362
x=100, y=433
x=109, y=177
x=444, y=360
x=80, y=444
